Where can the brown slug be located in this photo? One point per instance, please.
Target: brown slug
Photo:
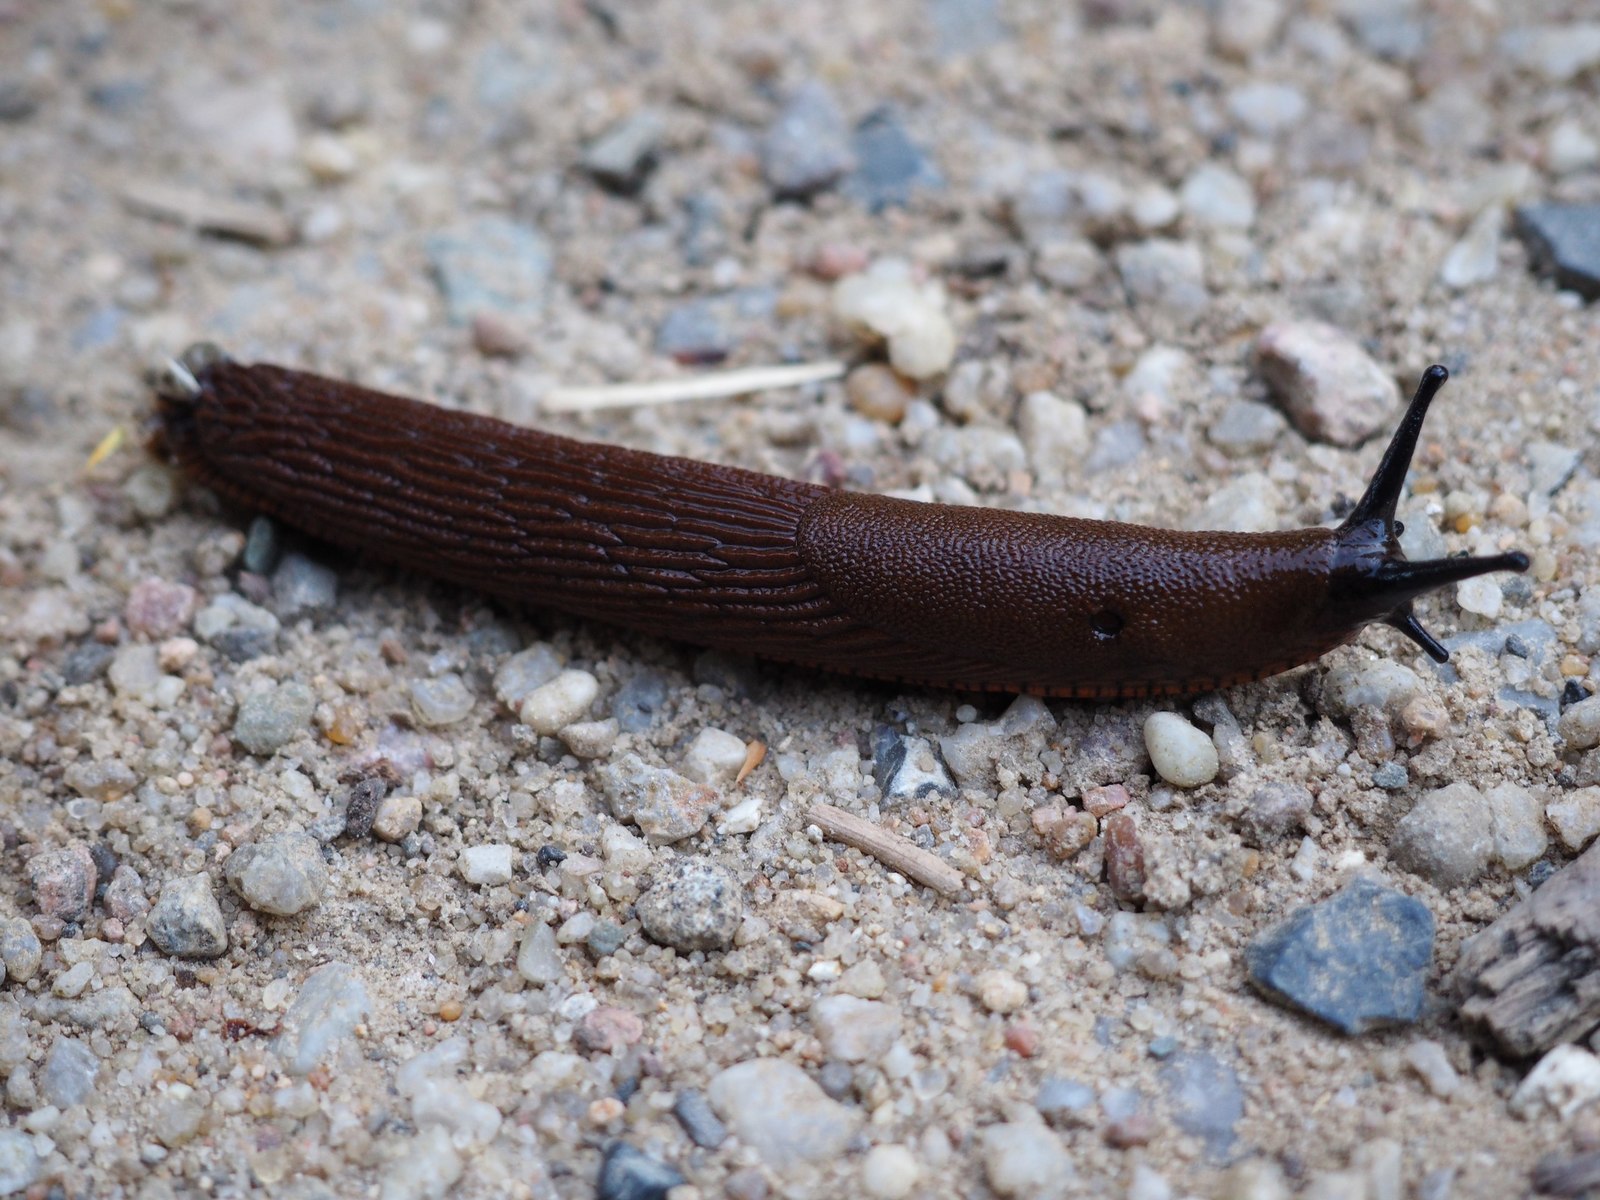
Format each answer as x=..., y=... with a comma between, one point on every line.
x=933, y=594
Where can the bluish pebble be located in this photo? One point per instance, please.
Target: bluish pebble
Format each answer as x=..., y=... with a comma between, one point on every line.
x=807, y=149
x=639, y=701
x=605, y=938
x=629, y=1174
x=262, y=546
x=1389, y=775
x=1204, y=1098
x=490, y=263
x=694, y=1113
x=890, y=167
x=1357, y=960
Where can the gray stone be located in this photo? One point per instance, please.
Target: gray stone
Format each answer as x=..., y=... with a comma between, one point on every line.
x=776, y=1110
x=855, y=1030
x=1326, y=382
x=1065, y=1102
x=88, y=662
x=1446, y=837
x=1204, y=1098
x=69, y=1072
x=20, y=950
x=1357, y=960
x=268, y=719
x=637, y=704
x=331, y=1003
x=442, y=701
x=963, y=27
x=186, y=921
x=694, y=905
x=707, y=328
x=63, y=881
x=1274, y=809
x=890, y=167
x=666, y=806
x=1563, y=241
x=624, y=155
x=1246, y=428
x=490, y=263
x=695, y=1114
x=283, y=874
x=629, y=1174
x=300, y=585
x=807, y=149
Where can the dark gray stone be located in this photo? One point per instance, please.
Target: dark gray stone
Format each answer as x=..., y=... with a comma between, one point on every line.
x=605, y=938
x=629, y=1174
x=639, y=701
x=1204, y=1098
x=908, y=768
x=86, y=663
x=1357, y=960
x=1563, y=240
x=706, y=329
x=694, y=1113
x=262, y=546
x=890, y=167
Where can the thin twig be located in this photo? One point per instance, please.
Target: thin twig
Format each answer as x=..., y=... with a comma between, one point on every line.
x=893, y=851
x=738, y=382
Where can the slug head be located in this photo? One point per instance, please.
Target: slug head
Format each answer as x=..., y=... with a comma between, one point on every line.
x=1372, y=578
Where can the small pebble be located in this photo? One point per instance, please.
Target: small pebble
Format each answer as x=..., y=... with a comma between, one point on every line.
x=1001, y=992
x=396, y=818
x=1181, y=754
x=331, y=1004
x=666, y=806
x=775, y=1109
x=490, y=262
x=554, y=705
x=1563, y=1081
x=890, y=168
x=158, y=609
x=1579, y=725
x=1214, y=197
x=1165, y=274
x=1516, y=819
x=695, y=904
x=607, y=937
x=1575, y=817
x=525, y=671
x=1066, y=1103
x=888, y=303
x=1481, y=596
x=1444, y=838
x=1432, y=1065
x=714, y=757
x=855, y=1030
x=20, y=949
x=1021, y=1159
x=1204, y=1098
x=629, y=1174
x=266, y=720
x=1267, y=109
x=302, y=586
x=1055, y=433
x=441, y=701
x=539, y=960
x=69, y=1072
x=361, y=808
x=1328, y=385
x=908, y=768
x=1563, y=241
x=283, y=874
x=488, y=865
x=808, y=148
x=1125, y=858
x=20, y=1166
x=70, y=983
x=1475, y=258
x=608, y=1028
x=1275, y=809
x=694, y=1113
x=878, y=392
x=623, y=156
x=889, y=1172
x=186, y=921
x=63, y=881
x=1246, y=428
x=135, y=671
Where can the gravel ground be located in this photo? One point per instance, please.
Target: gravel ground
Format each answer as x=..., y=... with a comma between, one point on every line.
x=323, y=879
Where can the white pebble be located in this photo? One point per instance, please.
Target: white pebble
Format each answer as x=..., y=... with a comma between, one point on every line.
x=743, y=817
x=1575, y=817
x=1580, y=725
x=488, y=865
x=889, y=1172
x=888, y=303
x=1481, y=596
x=71, y=982
x=715, y=757
x=1562, y=1082
x=1001, y=992
x=1181, y=754
x=557, y=704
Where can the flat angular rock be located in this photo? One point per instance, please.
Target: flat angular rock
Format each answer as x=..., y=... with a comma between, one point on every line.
x=1563, y=240
x=1531, y=980
x=1357, y=960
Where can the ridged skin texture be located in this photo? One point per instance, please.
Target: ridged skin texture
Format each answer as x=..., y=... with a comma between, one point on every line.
x=938, y=595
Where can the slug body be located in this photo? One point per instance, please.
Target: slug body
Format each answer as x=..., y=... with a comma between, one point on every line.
x=938, y=595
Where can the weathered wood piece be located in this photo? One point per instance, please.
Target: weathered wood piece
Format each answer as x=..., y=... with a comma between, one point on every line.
x=1531, y=980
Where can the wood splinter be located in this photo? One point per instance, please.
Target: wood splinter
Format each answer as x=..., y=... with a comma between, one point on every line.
x=893, y=851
